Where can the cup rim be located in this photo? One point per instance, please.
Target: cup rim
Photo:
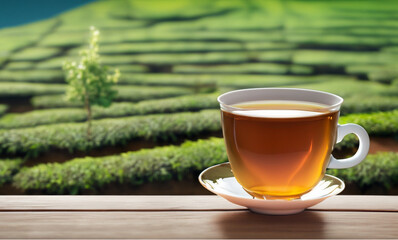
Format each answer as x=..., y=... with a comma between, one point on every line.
x=331, y=106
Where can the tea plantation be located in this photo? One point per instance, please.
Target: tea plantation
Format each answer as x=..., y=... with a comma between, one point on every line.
x=175, y=58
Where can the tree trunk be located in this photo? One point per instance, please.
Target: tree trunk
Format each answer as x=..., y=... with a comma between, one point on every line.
x=88, y=109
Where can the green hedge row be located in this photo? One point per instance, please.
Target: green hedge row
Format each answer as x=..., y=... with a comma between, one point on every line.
x=159, y=164
x=225, y=80
x=9, y=167
x=17, y=66
x=323, y=57
x=71, y=136
x=340, y=39
x=377, y=169
x=125, y=93
x=191, y=46
x=362, y=103
x=35, y=54
x=167, y=105
x=107, y=132
x=258, y=68
x=49, y=75
x=348, y=88
x=165, y=163
x=379, y=73
x=180, y=58
x=175, y=104
x=21, y=89
x=45, y=76
x=3, y=109
x=60, y=39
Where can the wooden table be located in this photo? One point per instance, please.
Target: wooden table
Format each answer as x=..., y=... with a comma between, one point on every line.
x=191, y=217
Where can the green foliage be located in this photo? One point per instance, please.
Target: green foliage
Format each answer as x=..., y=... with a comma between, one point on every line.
x=259, y=68
x=130, y=68
x=3, y=109
x=108, y=132
x=159, y=164
x=186, y=47
x=54, y=63
x=125, y=93
x=35, y=54
x=376, y=169
x=322, y=57
x=19, y=66
x=88, y=81
x=168, y=105
x=44, y=76
x=165, y=163
x=9, y=167
x=376, y=124
x=175, y=104
x=29, y=89
x=225, y=80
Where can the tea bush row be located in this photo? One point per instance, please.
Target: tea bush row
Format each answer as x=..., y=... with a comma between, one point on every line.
x=35, y=54
x=8, y=167
x=125, y=93
x=226, y=80
x=191, y=46
x=19, y=66
x=44, y=76
x=257, y=68
x=13, y=89
x=159, y=164
x=377, y=169
x=3, y=109
x=108, y=132
x=171, y=162
x=60, y=39
x=166, y=105
x=181, y=58
x=342, y=58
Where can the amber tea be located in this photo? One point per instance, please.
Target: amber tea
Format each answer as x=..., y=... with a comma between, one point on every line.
x=279, y=140
x=279, y=148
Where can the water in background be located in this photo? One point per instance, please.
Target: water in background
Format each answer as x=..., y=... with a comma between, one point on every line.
x=17, y=12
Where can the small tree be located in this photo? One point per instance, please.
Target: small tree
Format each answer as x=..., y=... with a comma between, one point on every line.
x=89, y=82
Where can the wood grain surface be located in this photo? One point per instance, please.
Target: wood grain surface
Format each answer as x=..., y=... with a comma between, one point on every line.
x=82, y=217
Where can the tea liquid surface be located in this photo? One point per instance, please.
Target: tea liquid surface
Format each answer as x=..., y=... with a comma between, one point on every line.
x=279, y=148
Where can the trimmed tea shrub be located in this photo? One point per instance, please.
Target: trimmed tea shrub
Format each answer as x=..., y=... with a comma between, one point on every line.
x=161, y=127
x=167, y=105
x=225, y=80
x=159, y=164
x=108, y=132
x=13, y=66
x=257, y=68
x=3, y=109
x=45, y=76
x=125, y=93
x=165, y=163
x=322, y=57
x=35, y=54
x=8, y=89
x=376, y=169
x=8, y=167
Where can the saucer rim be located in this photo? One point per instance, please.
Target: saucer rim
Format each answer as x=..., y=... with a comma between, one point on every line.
x=333, y=193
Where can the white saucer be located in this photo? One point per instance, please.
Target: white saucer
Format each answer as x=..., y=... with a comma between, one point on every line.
x=219, y=179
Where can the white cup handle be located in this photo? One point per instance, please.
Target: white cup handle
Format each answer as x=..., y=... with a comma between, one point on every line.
x=363, y=149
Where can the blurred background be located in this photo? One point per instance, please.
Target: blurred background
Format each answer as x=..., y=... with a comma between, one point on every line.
x=175, y=58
